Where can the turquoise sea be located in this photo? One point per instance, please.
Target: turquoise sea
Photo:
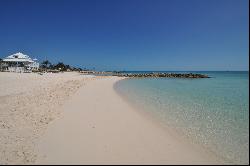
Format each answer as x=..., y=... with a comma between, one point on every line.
x=212, y=112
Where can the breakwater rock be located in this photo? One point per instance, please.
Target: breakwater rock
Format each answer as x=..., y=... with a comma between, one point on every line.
x=157, y=75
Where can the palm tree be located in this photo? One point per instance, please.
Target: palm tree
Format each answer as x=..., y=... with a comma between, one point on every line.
x=45, y=64
x=51, y=66
x=1, y=64
x=60, y=66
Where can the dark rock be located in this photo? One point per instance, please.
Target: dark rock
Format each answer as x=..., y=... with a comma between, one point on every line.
x=162, y=75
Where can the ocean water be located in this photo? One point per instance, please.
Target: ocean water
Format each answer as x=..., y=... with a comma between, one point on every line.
x=212, y=112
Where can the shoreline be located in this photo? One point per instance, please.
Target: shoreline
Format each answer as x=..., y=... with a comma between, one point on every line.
x=178, y=134
x=153, y=145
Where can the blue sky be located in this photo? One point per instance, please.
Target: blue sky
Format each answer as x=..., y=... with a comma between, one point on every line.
x=129, y=34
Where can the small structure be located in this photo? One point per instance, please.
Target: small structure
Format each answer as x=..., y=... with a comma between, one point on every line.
x=19, y=62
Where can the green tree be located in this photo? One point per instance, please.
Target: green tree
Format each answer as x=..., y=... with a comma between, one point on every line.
x=45, y=64
x=1, y=64
x=60, y=66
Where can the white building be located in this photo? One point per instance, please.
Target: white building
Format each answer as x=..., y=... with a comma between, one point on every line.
x=19, y=63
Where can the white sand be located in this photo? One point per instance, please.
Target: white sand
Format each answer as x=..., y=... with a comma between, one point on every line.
x=28, y=103
x=99, y=127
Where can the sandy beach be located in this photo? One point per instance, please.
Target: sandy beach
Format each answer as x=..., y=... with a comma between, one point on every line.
x=124, y=82
x=99, y=127
x=28, y=103
x=68, y=118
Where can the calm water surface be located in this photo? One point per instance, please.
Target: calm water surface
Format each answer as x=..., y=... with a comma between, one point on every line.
x=213, y=112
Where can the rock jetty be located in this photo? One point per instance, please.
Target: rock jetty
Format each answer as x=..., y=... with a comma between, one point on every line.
x=161, y=75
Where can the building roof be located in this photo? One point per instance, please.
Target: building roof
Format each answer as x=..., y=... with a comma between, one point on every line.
x=18, y=57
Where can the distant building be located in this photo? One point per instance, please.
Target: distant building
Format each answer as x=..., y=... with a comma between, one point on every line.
x=19, y=63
